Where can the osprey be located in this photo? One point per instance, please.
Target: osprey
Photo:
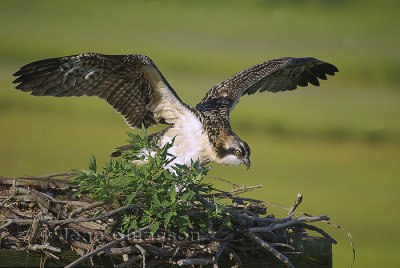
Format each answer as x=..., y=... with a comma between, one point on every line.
x=134, y=86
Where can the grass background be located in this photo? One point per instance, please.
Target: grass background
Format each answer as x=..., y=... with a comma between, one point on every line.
x=338, y=144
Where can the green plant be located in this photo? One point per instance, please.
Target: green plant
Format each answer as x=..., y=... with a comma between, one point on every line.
x=165, y=199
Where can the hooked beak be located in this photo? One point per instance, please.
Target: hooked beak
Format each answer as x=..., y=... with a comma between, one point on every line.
x=246, y=161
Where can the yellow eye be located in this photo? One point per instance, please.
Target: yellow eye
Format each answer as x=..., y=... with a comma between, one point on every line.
x=237, y=152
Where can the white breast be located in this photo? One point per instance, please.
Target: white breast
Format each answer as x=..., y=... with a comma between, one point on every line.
x=191, y=142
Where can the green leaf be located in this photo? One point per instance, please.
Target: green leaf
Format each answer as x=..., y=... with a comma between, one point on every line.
x=172, y=192
x=227, y=221
x=120, y=181
x=185, y=196
x=156, y=201
x=133, y=224
x=154, y=227
x=168, y=175
x=130, y=198
x=92, y=163
x=167, y=218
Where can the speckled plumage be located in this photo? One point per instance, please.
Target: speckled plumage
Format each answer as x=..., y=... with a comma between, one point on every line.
x=134, y=86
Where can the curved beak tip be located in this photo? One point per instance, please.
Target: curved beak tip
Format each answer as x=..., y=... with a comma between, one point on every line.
x=247, y=163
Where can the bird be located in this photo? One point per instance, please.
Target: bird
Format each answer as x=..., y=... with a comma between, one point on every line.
x=133, y=85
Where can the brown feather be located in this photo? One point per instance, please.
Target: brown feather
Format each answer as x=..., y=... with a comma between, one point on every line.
x=132, y=84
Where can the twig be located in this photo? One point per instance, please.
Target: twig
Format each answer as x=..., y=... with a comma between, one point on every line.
x=124, y=250
x=314, y=228
x=288, y=223
x=86, y=230
x=221, y=246
x=235, y=257
x=143, y=255
x=62, y=222
x=282, y=245
x=265, y=220
x=43, y=200
x=85, y=208
x=71, y=202
x=296, y=203
x=49, y=179
x=205, y=202
x=194, y=261
x=67, y=174
x=44, y=247
x=8, y=199
x=301, y=219
x=269, y=248
x=107, y=246
x=51, y=255
x=95, y=218
x=224, y=180
x=244, y=189
x=34, y=229
x=129, y=262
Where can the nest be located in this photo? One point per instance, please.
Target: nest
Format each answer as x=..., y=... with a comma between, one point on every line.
x=41, y=214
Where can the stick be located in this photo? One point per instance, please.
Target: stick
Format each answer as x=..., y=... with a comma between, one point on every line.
x=143, y=255
x=129, y=262
x=288, y=223
x=7, y=199
x=235, y=257
x=272, y=220
x=107, y=246
x=322, y=232
x=205, y=202
x=296, y=203
x=44, y=247
x=62, y=222
x=194, y=261
x=244, y=189
x=281, y=245
x=79, y=228
x=301, y=219
x=67, y=174
x=48, y=179
x=221, y=248
x=34, y=229
x=269, y=248
x=219, y=179
x=87, y=207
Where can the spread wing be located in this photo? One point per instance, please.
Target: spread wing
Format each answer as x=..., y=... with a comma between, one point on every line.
x=132, y=84
x=273, y=75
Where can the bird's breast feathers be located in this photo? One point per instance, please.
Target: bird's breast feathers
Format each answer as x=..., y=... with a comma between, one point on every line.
x=191, y=141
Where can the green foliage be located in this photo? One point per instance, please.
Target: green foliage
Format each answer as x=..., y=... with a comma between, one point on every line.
x=166, y=198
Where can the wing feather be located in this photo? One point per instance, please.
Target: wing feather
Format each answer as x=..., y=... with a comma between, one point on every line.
x=132, y=84
x=273, y=76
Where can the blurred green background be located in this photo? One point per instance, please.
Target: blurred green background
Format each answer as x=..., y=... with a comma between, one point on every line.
x=338, y=144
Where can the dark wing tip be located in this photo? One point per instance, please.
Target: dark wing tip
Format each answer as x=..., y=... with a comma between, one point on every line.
x=17, y=73
x=318, y=70
x=328, y=68
x=18, y=80
x=30, y=75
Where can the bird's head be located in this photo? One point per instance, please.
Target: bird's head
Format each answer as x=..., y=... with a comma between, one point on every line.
x=233, y=151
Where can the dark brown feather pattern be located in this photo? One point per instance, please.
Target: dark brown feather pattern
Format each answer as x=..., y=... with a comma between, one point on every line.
x=273, y=75
x=129, y=83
